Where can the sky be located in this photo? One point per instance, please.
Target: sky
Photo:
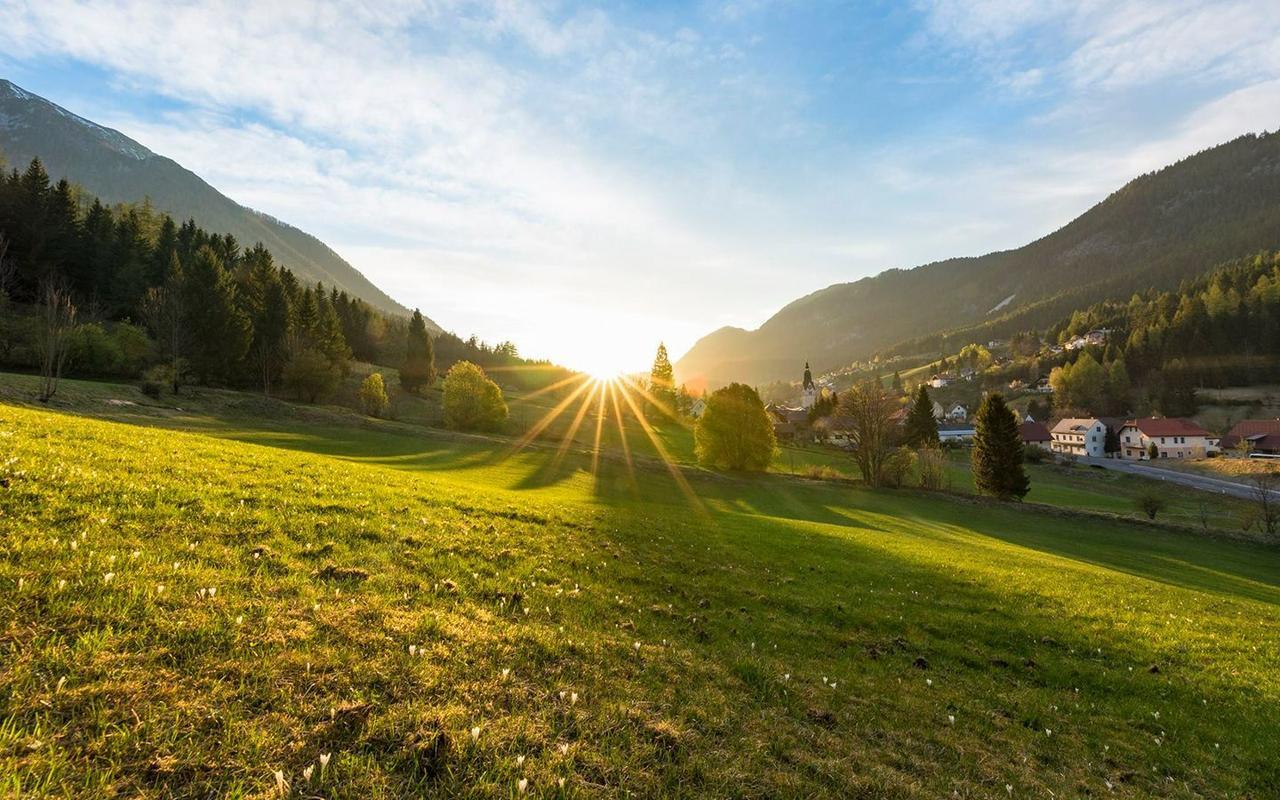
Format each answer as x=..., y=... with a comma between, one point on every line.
x=587, y=179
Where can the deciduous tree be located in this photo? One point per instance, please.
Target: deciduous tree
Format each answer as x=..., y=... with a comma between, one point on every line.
x=734, y=431
x=472, y=402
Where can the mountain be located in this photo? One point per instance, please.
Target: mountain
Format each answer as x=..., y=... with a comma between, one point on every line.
x=116, y=169
x=1157, y=230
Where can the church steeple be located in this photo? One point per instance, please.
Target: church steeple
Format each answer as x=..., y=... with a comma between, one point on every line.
x=808, y=376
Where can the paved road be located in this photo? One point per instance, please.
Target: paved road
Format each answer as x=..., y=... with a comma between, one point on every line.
x=1201, y=482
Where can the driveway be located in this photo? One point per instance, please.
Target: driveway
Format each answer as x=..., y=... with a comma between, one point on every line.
x=1202, y=482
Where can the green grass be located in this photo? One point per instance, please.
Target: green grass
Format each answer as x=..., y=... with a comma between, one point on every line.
x=1036, y=633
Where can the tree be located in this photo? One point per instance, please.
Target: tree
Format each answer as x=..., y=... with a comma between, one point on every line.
x=1150, y=503
x=418, y=371
x=897, y=382
x=270, y=329
x=662, y=380
x=921, y=429
x=219, y=330
x=373, y=395
x=997, y=451
x=311, y=375
x=1153, y=452
x=1265, y=487
x=1111, y=442
x=164, y=310
x=933, y=463
x=870, y=409
x=57, y=318
x=471, y=400
x=734, y=431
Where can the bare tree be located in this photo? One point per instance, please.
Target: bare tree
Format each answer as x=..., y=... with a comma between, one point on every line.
x=1266, y=485
x=163, y=309
x=57, y=317
x=870, y=408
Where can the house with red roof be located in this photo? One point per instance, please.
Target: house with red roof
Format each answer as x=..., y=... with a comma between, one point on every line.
x=1035, y=433
x=1262, y=436
x=1173, y=437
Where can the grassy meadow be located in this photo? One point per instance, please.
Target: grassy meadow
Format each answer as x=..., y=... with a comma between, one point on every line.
x=197, y=595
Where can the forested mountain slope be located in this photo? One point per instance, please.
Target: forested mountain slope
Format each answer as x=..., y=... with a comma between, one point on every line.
x=1158, y=229
x=116, y=169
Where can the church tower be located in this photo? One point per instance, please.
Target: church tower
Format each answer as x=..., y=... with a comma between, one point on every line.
x=809, y=393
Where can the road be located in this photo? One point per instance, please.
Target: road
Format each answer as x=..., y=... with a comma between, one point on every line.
x=1202, y=482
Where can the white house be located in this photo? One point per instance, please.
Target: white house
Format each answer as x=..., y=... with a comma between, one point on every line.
x=958, y=413
x=697, y=408
x=1173, y=437
x=941, y=381
x=963, y=432
x=1079, y=437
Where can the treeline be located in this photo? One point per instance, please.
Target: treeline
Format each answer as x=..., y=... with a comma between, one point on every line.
x=149, y=294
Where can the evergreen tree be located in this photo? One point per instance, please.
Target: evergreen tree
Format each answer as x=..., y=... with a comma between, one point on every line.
x=921, y=428
x=419, y=369
x=662, y=379
x=218, y=329
x=897, y=382
x=997, y=451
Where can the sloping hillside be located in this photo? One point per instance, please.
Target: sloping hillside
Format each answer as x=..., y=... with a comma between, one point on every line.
x=117, y=169
x=1158, y=229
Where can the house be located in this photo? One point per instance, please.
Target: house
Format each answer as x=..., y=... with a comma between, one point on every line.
x=968, y=373
x=835, y=430
x=941, y=381
x=958, y=413
x=697, y=408
x=1017, y=385
x=1079, y=437
x=1043, y=386
x=788, y=421
x=1174, y=437
x=1035, y=434
x=956, y=432
x=1261, y=436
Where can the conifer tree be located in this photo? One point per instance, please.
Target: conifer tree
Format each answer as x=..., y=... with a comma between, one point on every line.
x=419, y=369
x=219, y=330
x=921, y=428
x=997, y=451
x=662, y=379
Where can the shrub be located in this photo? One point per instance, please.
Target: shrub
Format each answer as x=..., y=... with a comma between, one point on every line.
x=91, y=350
x=373, y=395
x=932, y=461
x=1151, y=504
x=133, y=348
x=156, y=380
x=1033, y=454
x=734, y=431
x=472, y=402
x=822, y=473
x=898, y=464
x=311, y=375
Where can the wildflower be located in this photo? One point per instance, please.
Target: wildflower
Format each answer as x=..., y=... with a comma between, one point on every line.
x=787, y=676
x=928, y=681
x=62, y=583
x=564, y=748
x=413, y=649
x=519, y=761
x=213, y=590
x=475, y=733
x=61, y=682
x=324, y=761
x=107, y=578
x=637, y=647
x=562, y=783
x=282, y=785
x=239, y=619
x=951, y=718
x=505, y=672
x=159, y=588
x=573, y=698
x=522, y=785
x=308, y=771
x=1048, y=732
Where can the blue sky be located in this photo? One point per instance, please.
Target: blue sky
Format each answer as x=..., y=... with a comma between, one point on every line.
x=587, y=179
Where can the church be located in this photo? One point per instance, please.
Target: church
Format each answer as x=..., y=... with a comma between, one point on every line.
x=809, y=390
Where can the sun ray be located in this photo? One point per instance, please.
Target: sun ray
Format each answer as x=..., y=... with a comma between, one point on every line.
x=548, y=418
x=595, y=450
x=670, y=463
x=568, y=440
x=622, y=434
x=578, y=376
x=665, y=408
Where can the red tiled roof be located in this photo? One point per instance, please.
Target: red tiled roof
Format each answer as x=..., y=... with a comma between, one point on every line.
x=1168, y=426
x=1268, y=429
x=1035, y=432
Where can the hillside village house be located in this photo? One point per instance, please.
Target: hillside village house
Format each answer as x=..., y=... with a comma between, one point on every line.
x=958, y=413
x=1096, y=337
x=941, y=381
x=1035, y=434
x=787, y=421
x=1173, y=437
x=1079, y=437
x=835, y=430
x=697, y=408
x=956, y=432
x=1260, y=435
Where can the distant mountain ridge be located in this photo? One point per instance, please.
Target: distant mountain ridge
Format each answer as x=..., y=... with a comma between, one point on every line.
x=116, y=169
x=1155, y=231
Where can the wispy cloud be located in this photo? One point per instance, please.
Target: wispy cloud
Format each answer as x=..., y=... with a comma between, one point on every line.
x=534, y=170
